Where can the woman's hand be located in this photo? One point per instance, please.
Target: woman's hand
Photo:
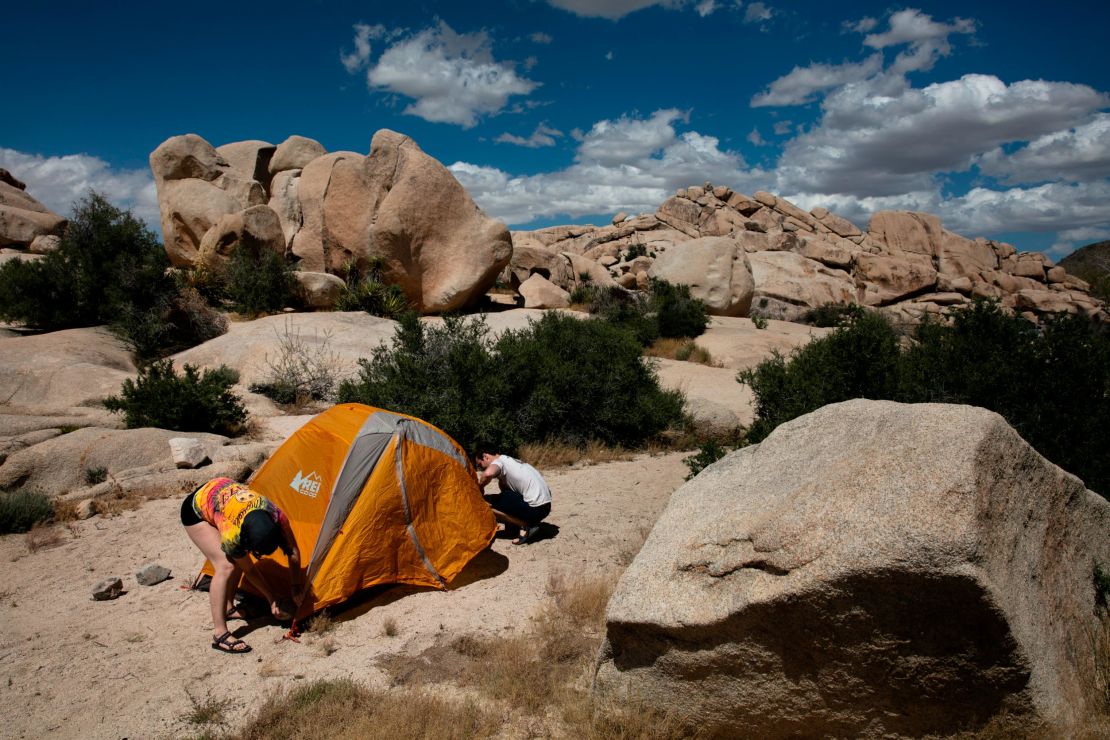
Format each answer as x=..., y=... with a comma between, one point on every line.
x=281, y=609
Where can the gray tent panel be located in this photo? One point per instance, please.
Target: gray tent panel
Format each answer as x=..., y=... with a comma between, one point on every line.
x=421, y=434
x=404, y=430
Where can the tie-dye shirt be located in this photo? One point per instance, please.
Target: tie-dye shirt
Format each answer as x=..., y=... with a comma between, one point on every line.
x=223, y=503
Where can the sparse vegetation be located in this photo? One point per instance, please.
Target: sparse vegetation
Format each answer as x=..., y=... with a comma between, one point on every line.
x=253, y=280
x=109, y=268
x=833, y=314
x=553, y=453
x=367, y=291
x=95, y=475
x=710, y=452
x=759, y=322
x=685, y=350
x=560, y=378
x=193, y=402
x=984, y=357
x=43, y=536
x=206, y=710
x=22, y=509
x=665, y=310
x=302, y=370
x=389, y=627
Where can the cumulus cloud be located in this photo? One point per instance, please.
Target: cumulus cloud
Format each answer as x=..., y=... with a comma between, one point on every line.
x=927, y=39
x=451, y=77
x=1069, y=240
x=801, y=84
x=877, y=141
x=540, y=37
x=863, y=25
x=58, y=182
x=544, y=135
x=610, y=9
x=630, y=163
x=755, y=138
x=782, y=128
x=1080, y=153
x=361, y=55
x=757, y=13
x=706, y=7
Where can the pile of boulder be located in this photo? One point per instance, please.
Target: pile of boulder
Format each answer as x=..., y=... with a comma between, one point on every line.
x=765, y=256
x=28, y=229
x=330, y=213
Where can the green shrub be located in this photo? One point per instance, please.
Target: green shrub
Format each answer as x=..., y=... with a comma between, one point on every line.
x=833, y=314
x=108, y=269
x=678, y=313
x=252, y=280
x=23, y=509
x=561, y=378
x=96, y=475
x=710, y=452
x=634, y=251
x=193, y=402
x=856, y=361
x=1051, y=383
x=301, y=371
x=367, y=291
x=759, y=322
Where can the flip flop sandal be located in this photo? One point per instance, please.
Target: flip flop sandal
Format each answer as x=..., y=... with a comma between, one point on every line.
x=529, y=533
x=228, y=643
x=240, y=612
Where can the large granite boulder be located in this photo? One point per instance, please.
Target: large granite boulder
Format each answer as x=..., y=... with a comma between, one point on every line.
x=871, y=569
x=250, y=158
x=257, y=229
x=295, y=153
x=62, y=369
x=787, y=285
x=23, y=218
x=717, y=270
x=196, y=188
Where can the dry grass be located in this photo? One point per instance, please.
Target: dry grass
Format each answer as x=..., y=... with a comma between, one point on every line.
x=43, y=536
x=345, y=710
x=117, y=502
x=556, y=454
x=206, y=710
x=389, y=627
x=686, y=350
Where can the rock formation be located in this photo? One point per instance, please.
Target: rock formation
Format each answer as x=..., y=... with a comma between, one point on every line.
x=23, y=220
x=905, y=264
x=329, y=211
x=871, y=569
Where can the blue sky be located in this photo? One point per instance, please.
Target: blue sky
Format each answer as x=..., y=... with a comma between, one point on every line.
x=995, y=116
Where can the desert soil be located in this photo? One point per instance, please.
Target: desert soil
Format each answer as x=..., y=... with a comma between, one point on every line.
x=76, y=668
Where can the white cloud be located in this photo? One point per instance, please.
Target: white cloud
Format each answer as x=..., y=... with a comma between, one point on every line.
x=863, y=25
x=758, y=13
x=883, y=137
x=801, y=84
x=361, y=55
x=1080, y=153
x=927, y=39
x=608, y=56
x=540, y=37
x=782, y=128
x=631, y=164
x=706, y=7
x=544, y=135
x=756, y=138
x=57, y=182
x=610, y=9
x=452, y=77
x=1069, y=240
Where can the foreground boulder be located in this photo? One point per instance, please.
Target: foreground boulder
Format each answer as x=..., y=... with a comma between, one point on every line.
x=871, y=569
x=22, y=218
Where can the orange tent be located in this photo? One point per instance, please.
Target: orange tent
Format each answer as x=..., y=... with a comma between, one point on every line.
x=372, y=497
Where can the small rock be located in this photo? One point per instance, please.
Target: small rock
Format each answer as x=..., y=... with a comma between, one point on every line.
x=188, y=452
x=151, y=573
x=619, y=218
x=84, y=509
x=108, y=589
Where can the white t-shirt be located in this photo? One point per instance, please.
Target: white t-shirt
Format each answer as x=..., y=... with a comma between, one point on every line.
x=524, y=479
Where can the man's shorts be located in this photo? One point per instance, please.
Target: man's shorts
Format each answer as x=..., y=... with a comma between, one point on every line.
x=512, y=503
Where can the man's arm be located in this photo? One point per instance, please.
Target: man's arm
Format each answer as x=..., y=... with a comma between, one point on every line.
x=485, y=476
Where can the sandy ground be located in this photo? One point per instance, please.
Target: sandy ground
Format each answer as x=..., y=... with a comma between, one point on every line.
x=75, y=668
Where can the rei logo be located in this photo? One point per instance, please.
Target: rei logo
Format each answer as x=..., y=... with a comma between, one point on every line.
x=307, y=485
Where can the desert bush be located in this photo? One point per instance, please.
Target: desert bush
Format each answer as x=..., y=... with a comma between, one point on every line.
x=109, y=268
x=193, y=402
x=23, y=509
x=710, y=452
x=857, y=361
x=679, y=314
x=96, y=475
x=253, y=280
x=1051, y=383
x=560, y=378
x=833, y=314
x=367, y=291
x=759, y=322
x=301, y=371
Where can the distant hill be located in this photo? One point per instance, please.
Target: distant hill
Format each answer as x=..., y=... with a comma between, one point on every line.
x=1091, y=263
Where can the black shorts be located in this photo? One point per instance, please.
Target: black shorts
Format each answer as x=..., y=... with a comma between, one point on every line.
x=188, y=511
x=512, y=503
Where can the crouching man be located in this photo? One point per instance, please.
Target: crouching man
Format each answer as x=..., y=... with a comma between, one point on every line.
x=525, y=498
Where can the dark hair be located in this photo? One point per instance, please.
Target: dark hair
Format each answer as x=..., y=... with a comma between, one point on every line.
x=260, y=534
